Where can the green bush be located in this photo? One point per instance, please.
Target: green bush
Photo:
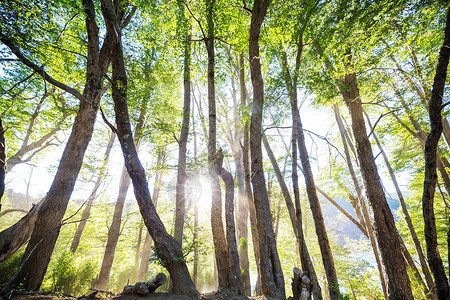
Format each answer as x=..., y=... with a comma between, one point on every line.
x=9, y=267
x=71, y=275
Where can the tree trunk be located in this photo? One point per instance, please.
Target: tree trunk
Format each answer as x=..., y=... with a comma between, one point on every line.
x=168, y=249
x=180, y=201
x=138, y=247
x=235, y=280
x=87, y=209
x=272, y=280
x=429, y=184
x=242, y=192
x=146, y=250
x=46, y=229
x=113, y=233
x=408, y=220
x=382, y=221
x=114, y=230
x=249, y=193
x=359, y=205
x=220, y=244
x=306, y=261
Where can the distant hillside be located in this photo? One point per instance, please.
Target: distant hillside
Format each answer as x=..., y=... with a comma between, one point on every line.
x=340, y=225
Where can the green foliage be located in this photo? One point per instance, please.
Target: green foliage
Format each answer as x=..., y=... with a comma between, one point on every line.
x=71, y=275
x=9, y=267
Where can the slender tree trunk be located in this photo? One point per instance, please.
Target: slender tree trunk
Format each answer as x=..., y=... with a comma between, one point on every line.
x=305, y=258
x=299, y=140
x=242, y=192
x=180, y=210
x=138, y=247
x=113, y=233
x=247, y=178
x=272, y=280
x=46, y=230
x=196, y=224
x=387, y=236
x=146, y=251
x=114, y=229
x=429, y=185
x=168, y=248
x=87, y=209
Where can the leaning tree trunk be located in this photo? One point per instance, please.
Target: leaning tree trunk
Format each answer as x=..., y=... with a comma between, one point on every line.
x=146, y=249
x=412, y=231
x=114, y=229
x=360, y=210
x=87, y=209
x=168, y=249
x=46, y=230
x=272, y=280
x=305, y=258
x=220, y=244
x=429, y=184
x=382, y=221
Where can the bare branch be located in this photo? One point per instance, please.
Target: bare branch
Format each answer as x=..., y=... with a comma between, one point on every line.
x=107, y=122
x=16, y=84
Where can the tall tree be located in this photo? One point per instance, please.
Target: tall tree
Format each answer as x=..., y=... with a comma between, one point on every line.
x=220, y=244
x=180, y=210
x=168, y=249
x=387, y=236
x=272, y=280
x=429, y=184
x=298, y=139
x=37, y=255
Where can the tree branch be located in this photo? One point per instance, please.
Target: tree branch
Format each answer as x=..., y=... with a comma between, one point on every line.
x=40, y=70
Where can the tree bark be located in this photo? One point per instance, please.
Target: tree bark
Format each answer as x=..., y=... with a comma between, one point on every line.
x=146, y=249
x=412, y=231
x=429, y=184
x=235, y=280
x=46, y=230
x=87, y=209
x=180, y=201
x=272, y=280
x=359, y=205
x=382, y=221
x=114, y=229
x=220, y=244
x=168, y=249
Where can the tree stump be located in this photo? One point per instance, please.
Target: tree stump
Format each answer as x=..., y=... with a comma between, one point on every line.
x=301, y=286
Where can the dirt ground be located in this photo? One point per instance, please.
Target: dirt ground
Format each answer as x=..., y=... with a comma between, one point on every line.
x=219, y=295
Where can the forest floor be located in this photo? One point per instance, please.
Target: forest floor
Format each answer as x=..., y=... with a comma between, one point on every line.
x=219, y=295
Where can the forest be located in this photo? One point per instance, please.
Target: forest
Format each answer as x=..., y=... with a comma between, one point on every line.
x=225, y=149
